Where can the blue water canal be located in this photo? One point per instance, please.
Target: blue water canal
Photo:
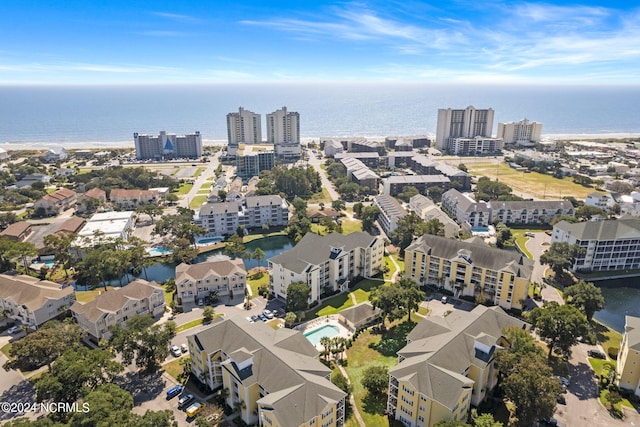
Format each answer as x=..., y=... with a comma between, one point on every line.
x=162, y=271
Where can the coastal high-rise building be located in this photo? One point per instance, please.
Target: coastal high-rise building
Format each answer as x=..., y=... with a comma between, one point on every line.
x=464, y=124
x=523, y=132
x=167, y=146
x=283, y=131
x=244, y=127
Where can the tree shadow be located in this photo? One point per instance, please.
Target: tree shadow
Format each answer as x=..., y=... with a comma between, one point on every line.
x=374, y=403
x=393, y=339
x=20, y=393
x=144, y=388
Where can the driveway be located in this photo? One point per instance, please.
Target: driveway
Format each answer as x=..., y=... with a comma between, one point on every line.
x=316, y=162
x=537, y=246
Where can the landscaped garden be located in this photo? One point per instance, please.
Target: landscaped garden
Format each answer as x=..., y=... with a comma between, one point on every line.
x=339, y=302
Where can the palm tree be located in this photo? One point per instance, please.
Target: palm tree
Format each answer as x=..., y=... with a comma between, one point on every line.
x=325, y=342
x=258, y=255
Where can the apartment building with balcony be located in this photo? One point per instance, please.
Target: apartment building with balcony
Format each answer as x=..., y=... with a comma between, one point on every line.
x=448, y=365
x=224, y=218
x=32, y=301
x=427, y=210
x=609, y=245
x=130, y=199
x=117, y=306
x=391, y=211
x=56, y=202
x=227, y=278
x=628, y=367
x=469, y=213
x=470, y=269
x=394, y=185
x=273, y=376
x=529, y=211
x=326, y=263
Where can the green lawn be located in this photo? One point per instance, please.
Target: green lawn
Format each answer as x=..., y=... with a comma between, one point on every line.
x=255, y=284
x=392, y=268
x=197, y=201
x=351, y=225
x=339, y=302
x=173, y=368
x=168, y=297
x=534, y=184
x=372, y=349
x=205, y=186
x=607, y=337
x=198, y=172
x=87, y=296
x=252, y=236
x=6, y=349
x=184, y=188
x=206, y=192
x=188, y=325
x=321, y=197
x=399, y=261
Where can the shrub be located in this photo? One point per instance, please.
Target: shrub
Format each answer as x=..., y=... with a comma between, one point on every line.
x=613, y=352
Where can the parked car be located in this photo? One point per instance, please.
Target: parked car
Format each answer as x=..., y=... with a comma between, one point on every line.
x=268, y=314
x=444, y=300
x=174, y=391
x=12, y=330
x=596, y=354
x=175, y=350
x=195, y=409
x=185, y=400
x=249, y=319
x=184, y=348
x=255, y=318
x=262, y=317
x=200, y=302
x=529, y=234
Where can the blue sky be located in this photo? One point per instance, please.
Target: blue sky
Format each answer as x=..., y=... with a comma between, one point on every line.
x=132, y=42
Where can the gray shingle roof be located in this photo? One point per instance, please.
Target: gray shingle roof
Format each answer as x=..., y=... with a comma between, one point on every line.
x=225, y=267
x=440, y=348
x=315, y=250
x=283, y=363
x=482, y=255
x=219, y=208
x=627, y=228
x=31, y=292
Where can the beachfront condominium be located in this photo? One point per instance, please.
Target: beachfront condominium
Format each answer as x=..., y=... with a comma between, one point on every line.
x=470, y=269
x=448, y=365
x=167, y=146
x=326, y=263
x=523, y=133
x=283, y=131
x=243, y=127
x=465, y=125
x=273, y=377
x=609, y=245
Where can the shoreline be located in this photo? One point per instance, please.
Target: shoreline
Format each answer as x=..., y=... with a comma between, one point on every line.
x=103, y=145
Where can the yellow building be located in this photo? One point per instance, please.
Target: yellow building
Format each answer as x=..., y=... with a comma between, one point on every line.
x=628, y=369
x=470, y=269
x=447, y=365
x=273, y=377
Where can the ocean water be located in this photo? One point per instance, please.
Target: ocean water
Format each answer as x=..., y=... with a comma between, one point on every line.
x=89, y=115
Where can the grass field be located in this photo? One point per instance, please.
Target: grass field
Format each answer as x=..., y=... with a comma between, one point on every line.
x=197, y=201
x=322, y=197
x=532, y=184
x=371, y=349
x=198, y=172
x=351, y=225
x=205, y=192
x=205, y=186
x=184, y=188
x=87, y=296
x=173, y=368
x=339, y=302
x=607, y=337
x=255, y=284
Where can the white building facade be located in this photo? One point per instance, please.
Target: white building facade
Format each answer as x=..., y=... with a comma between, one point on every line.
x=244, y=127
x=467, y=123
x=523, y=131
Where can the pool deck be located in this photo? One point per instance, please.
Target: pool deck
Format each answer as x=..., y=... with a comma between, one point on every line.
x=331, y=319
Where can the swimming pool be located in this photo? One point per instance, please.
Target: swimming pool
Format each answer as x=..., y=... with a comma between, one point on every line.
x=323, y=331
x=159, y=251
x=209, y=240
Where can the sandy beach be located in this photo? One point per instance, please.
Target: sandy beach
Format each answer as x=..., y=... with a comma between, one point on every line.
x=104, y=145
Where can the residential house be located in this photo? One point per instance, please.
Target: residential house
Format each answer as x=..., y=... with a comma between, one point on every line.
x=56, y=202
x=315, y=215
x=18, y=231
x=225, y=278
x=628, y=367
x=118, y=305
x=326, y=263
x=29, y=180
x=427, y=210
x=273, y=376
x=97, y=197
x=32, y=301
x=448, y=365
x=609, y=245
x=391, y=212
x=131, y=199
x=470, y=269
x=55, y=154
x=467, y=212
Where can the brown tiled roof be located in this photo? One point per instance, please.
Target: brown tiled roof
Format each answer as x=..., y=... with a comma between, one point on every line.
x=118, y=193
x=96, y=193
x=59, y=195
x=16, y=229
x=72, y=225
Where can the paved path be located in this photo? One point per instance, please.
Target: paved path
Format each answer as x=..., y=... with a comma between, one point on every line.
x=316, y=162
x=352, y=402
x=537, y=246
